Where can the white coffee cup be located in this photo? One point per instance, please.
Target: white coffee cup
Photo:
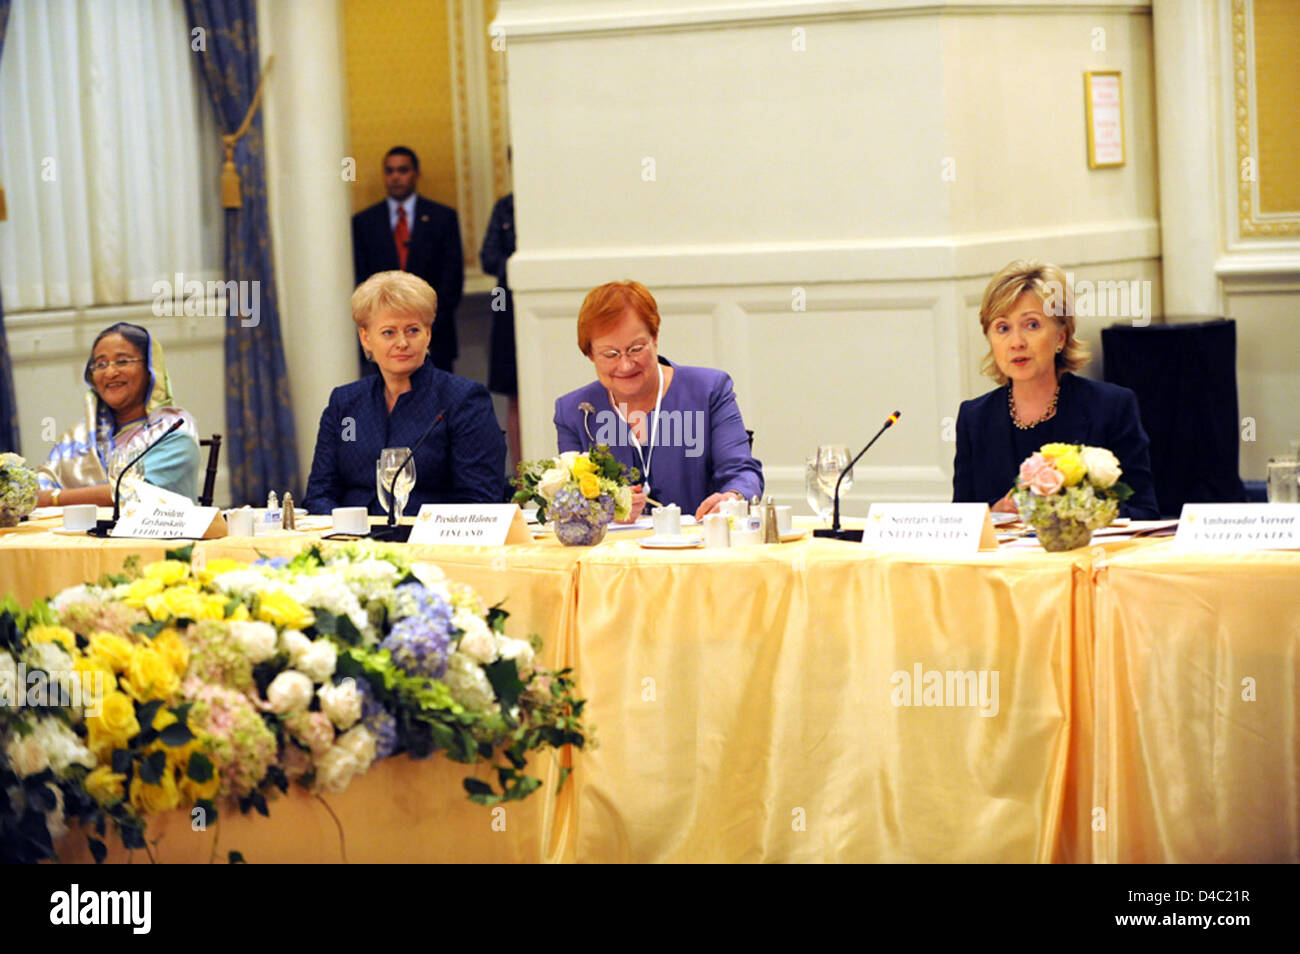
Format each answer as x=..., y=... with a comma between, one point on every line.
x=239, y=523
x=354, y=521
x=784, y=519
x=734, y=508
x=79, y=516
x=667, y=521
x=717, y=530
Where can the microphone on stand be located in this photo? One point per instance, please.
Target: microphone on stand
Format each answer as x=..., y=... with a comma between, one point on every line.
x=394, y=532
x=835, y=532
x=102, y=527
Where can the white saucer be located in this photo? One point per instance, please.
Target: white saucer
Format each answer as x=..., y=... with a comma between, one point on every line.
x=793, y=535
x=68, y=533
x=1000, y=518
x=682, y=542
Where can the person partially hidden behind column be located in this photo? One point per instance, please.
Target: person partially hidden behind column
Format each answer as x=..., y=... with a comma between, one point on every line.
x=679, y=426
x=459, y=448
x=1028, y=317
x=129, y=405
x=409, y=232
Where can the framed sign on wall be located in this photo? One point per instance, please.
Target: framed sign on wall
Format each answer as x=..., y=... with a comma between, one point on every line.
x=1104, y=103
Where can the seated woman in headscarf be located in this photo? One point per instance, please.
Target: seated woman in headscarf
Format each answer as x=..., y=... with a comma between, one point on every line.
x=679, y=426
x=129, y=404
x=448, y=421
x=1027, y=315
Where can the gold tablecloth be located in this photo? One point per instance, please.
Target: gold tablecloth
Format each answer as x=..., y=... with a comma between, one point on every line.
x=1198, y=733
x=744, y=702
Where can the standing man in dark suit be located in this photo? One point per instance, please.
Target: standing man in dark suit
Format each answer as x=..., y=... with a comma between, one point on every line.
x=414, y=234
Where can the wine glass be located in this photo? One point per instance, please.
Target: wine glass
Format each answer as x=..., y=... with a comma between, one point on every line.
x=118, y=459
x=818, y=499
x=831, y=461
x=395, y=468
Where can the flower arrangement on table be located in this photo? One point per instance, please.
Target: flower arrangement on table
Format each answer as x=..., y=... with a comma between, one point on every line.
x=18, y=489
x=1066, y=491
x=187, y=687
x=581, y=493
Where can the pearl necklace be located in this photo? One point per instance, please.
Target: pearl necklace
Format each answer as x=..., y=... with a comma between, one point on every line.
x=1047, y=415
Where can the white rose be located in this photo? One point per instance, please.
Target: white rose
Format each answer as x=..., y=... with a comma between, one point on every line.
x=319, y=661
x=256, y=639
x=552, y=483
x=26, y=755
x=1103, y=468
x=566, y=460
x=430, y=574
x=294, y=643
x=518, y=650
x=289, y=692
x=335, y=769
x=341, y=703
x=479, y=645
x=360, y=743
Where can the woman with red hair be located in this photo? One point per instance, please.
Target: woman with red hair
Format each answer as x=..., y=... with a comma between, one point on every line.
x=679, y=426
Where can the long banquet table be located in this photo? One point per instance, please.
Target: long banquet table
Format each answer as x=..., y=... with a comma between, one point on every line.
x=750, y=706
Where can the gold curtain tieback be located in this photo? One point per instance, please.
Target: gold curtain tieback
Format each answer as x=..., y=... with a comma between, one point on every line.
x=231, y=186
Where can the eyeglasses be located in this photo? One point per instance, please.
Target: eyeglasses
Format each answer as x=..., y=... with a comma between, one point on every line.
x=119, y=363
x=635, y=351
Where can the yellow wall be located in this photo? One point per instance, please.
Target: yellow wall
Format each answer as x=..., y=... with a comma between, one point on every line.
x=399, y=93
x=1277, y=89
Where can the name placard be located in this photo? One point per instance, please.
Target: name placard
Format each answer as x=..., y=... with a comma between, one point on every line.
x=488, y=525
x=930, y=528
x=1238, y=527
x=163, y=521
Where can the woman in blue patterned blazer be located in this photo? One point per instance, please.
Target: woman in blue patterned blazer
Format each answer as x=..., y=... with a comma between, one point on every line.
x=1028, y=317
x=462, y=458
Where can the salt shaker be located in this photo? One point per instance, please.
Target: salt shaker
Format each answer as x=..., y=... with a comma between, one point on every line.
x=771, y=532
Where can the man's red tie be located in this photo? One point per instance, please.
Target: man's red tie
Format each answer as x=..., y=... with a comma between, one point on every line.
x=402, y=236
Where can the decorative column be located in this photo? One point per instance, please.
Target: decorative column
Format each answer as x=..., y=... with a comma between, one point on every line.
x=306, y=132
x=1185, y=34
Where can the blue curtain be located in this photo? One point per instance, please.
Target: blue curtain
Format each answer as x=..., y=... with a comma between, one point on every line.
x=8, y=403
x=259, y=417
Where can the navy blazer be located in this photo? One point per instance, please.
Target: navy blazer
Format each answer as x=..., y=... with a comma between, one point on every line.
x=434, y=254
x=990, y=448
x=462, y=461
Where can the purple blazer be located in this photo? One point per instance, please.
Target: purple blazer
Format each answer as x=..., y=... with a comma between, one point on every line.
x=701, y=446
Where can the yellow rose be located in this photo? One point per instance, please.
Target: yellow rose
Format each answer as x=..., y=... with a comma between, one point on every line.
x=54, y=634
x=196, y=791
x=240, y=613
x=283, y=610
x=163, y=718
x=589, y=484
x=97, y=679
x=169, y=643
x=150, y=675
x=140, y=590
x=112, y=649
x=167, y=572
x=583, y=466
x=215, y=568
x=154, y=799
x=1065, y=458
x=105, y=786
x=115, y=725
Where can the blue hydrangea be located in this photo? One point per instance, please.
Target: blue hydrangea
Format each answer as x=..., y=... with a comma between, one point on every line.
x=420, y=640
x=378, y=720
x=275, y=563
x=570, y=504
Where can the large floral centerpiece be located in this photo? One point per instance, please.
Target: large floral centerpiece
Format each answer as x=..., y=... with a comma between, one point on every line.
x=580, y=493
x=18, y=489
x=186, y=686
x=1066, y=491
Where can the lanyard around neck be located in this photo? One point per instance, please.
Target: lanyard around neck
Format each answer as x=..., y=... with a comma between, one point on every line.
x=654, y=431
